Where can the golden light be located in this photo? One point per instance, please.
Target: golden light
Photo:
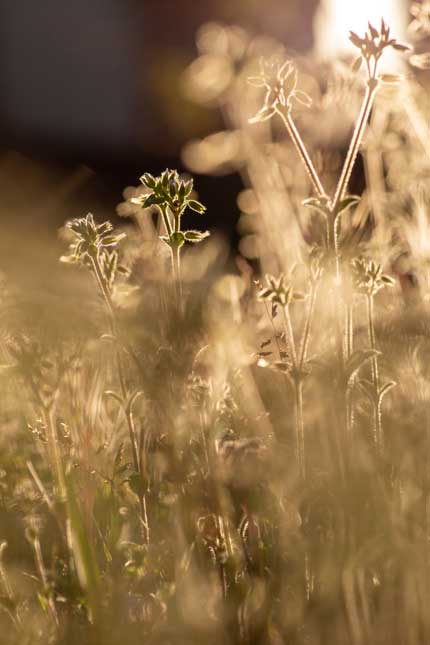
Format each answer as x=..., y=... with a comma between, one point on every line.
x=337, y=17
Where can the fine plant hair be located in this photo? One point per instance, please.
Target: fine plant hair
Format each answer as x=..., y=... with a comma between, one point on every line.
x=196, y=449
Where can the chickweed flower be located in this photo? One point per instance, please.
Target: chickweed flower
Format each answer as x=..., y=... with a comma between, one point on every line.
x=91, y=238
x=168, y=190
x=373, y=44
x=280, y=82
x=279, y=291
x=368, y=277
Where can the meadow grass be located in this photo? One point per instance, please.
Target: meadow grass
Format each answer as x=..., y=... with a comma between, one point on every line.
x=191, y=454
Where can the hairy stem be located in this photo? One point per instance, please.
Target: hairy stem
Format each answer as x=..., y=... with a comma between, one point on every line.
x=342, y=185
x=308, y=325
x=303, y=153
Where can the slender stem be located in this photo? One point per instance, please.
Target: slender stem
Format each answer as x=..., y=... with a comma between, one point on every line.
x=342, y=186
x=290, y=336
x=298, y=394
x=7, y=589
x=349, y=330
x=371, y=88
x=40, y=565
x=300, y=428
x=130, y=424
x=349, y=339
x=378, y=432
x=308, y=324
x=372, y=340
x=303, y=153
x=176, y=258
x=166, y=221
x=176, y=263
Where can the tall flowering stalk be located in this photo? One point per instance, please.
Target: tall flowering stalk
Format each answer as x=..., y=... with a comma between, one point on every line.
x=172, y=196
x=280, y=293
x=95, y=247
x=369, y=280
x=280, y=83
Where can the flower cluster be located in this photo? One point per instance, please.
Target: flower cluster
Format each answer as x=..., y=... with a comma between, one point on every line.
x=168, y=190
x=421, y=23
x=375, y=42
x=368, y=277
x=279, y=291
x=280, y=82
x=91, y=238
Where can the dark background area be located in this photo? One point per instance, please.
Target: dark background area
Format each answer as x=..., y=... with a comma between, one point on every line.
x=98, y=84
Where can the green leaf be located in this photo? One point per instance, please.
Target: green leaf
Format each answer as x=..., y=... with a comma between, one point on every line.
x=151, y=200
x=43, y=601
x=350, y=200
x=83, y=554
x=196, y=206
x=196, y=236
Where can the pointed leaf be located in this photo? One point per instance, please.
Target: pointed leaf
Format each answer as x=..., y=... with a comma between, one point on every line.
x=386, y=388
x=350, y=200
x=355, y=39
x=357, y=64
x=401, y=47
x=356, y=361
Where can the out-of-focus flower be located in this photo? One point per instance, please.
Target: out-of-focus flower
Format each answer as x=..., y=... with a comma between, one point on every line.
x=91, y=238
x=368, y=277
x=280, y=82
x=373, y=44
x=421, y=13
x=279, y=291
x=421, y=61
